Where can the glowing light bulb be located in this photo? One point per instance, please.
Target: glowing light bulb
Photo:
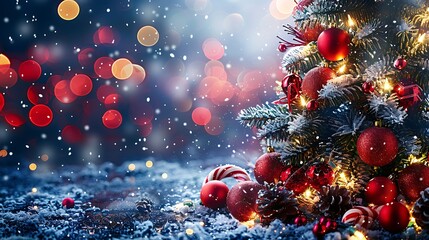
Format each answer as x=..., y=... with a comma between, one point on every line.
x=350, y=21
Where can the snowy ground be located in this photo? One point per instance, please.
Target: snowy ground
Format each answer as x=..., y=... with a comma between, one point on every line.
x=106, y=197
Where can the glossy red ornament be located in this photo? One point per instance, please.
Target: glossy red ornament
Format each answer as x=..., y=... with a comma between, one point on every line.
x=312, y=105
x=81, y=85
x=300, y=220
x=241, y=200
x=377, y=146
x=413, y=179
x=381, y=190
x=287, y=172
x=41, y=115
x=268, y=168
x=112, y=119
x=408, y=93
x=213, y=194
x=331, y=226
x=282, y=47
x=319, y=230
x=400, y=63
x=333, y=44
x=394, y=217
x=315, y=79
x=320, y=174
x=368, y=87
x=29, y=71
x=68, y=203
x=297, y=181
x=1, y=102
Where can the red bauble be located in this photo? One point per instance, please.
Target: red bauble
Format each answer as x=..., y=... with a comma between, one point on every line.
x=282, y=47
x=41, y=115
x=112, y=119
x=1, y=102
x=300, y=220
x=312, y=105
x=333, y=44
x=412, y=180
x=213, y=194
x=400, y=63
x=368, y=87
x=381, y=190
x=241, y=200
x=377, y=146
x=80, y=85
x=291, y=85
x=331, y=225
x=268, y=168
x=311, y=34
x=29, y=71
x=287, y=172
x=297, y=181
x=68, y=202
x=315, y=79
x=394, y=217
x=319, y=230
x=319, y=175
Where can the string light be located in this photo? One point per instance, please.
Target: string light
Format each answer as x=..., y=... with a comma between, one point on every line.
x=350, y=21
x=342, y=69
x=149, y=164
x=421, y=38
x=387, y=87
x=358, y=236
x=34, y=190
x=249, y=224
x=303, y=101
x=189, y=231
x=414, y=159
x=32, y=167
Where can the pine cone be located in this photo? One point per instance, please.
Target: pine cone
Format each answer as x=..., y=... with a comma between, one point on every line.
x=144, y=205
x=333, y=201
x=276, y=202
x=421, y=209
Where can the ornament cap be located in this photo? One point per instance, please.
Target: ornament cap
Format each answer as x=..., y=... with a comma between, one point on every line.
x=378, y=123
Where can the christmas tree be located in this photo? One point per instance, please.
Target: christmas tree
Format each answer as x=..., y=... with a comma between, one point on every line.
x=347, y=139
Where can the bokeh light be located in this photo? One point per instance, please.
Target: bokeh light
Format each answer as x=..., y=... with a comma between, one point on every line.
x=38, y=94
x=112, y=119
x=68, y=9
x=44, y=157
x=104, y=91
x=29, y=71
x=8, y=79
x=147, y=36
x=81, y=85
x=41, y=115
x=285, y=6
x=14, y=119
x=213, y=49
x=32, y=167
x=275, y=11
x=131, y=167
x=103, y=67
x=1, y=102
x=105, y=35
x=122, y=69
x=138, y=75
x=86, y=56
x=4, y=63
x=149, y=164
x=72, y=134
x=63, y=92
x=3, y=153
x=201, y=116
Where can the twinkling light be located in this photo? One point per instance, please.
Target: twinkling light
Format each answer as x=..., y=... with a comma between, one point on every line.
x=164, y=175
x=357, y=236
x=148, y=36
x=32, y=167
x=149, y=164
x=68, y=9
x=122, y=68
x=34, y=190
x=131, y=167
x=44, y=157
x=189, y=231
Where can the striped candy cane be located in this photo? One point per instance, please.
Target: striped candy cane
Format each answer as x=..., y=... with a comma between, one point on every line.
x=364, y=216
x=227, y=171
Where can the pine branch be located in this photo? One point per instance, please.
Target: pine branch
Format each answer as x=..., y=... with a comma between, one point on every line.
x=409, y=142
x=328, y=13
x=387, y=109
x=380, y=69
x=334, y=95
x=259, y=115
x=301, y=59
x=367, y=37
x=347, y=122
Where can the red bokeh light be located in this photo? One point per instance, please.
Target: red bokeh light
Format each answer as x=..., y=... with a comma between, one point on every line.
x=29, y=71
x=40, y=115
x=112, y=119
x=104, y=91
x=63, y=92
x=103, y=67
x=14, y=119
x=111, y=100
x=40, y=54
x=201, y=116
x=213, y=49
x=86, y=57
x=105, y=35
x=214, y=127
x=72, y=134
x=38, y=94
x=81, y=85
x=8, y=79
x=1, y=102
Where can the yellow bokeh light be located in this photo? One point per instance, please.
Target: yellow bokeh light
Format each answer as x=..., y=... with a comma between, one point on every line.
x=189, y=231
x=148, y=36
x=164, y=175
x=122, y=69
x=149, y=164
x=32, y=167
x=68, y=9
x=358, y=236
x=3, y=153
x=132, y=167
x=4, y=63
x=34, y=190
